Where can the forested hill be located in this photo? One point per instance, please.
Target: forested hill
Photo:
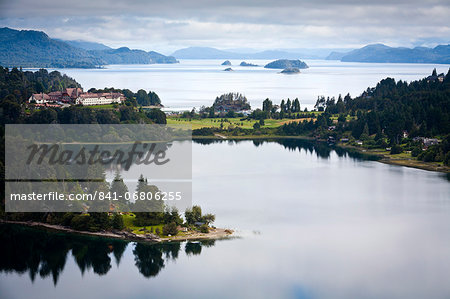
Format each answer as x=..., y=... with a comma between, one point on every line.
x=16, y=86
x=420, y=108
x=29, y=48
x=125, y=55
x=384, y=54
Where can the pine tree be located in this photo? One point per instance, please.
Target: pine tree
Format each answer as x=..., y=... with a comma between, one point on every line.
x=434, y=74
x=119, y=190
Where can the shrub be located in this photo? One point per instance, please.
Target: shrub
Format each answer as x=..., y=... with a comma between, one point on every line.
x=117, y=222
x=204, y=229
x=416, y=151
x=203, y=132
x=428, y=156
x=67, y=219
x=396, y=149
x=170, y=229
x=447, y=159
x=98, y=221
x=80, y=222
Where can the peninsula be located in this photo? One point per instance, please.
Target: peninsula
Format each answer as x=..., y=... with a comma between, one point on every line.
x=405, y=129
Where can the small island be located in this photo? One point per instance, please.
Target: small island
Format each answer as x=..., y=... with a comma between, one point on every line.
x=226, y=62
x=286, y=63
x=229, y=69
x=243, y=63
x=290, y=71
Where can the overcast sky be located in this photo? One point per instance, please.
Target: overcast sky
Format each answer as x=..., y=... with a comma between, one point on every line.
x=167, y=25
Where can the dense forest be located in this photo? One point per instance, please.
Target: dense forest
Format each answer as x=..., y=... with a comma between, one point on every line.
x=393, y=114
x=16, y=86
x=420, y=108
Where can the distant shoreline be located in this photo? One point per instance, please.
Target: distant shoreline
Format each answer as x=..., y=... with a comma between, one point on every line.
x=383, y=158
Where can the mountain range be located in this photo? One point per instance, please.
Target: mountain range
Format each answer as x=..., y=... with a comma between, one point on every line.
x=213, y=53
x=29, y=48
x=384, y=54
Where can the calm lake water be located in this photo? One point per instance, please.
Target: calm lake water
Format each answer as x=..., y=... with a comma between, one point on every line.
x=193, y=83
x=313, y=223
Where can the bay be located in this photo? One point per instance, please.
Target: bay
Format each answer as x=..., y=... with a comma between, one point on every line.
x=311, y=221
x=194, y=83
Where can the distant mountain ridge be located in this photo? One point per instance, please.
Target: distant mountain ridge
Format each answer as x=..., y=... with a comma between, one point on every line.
x=213, y=53
x=85, y=45
x=29, y=48
x=384, y=54
x=125, y=55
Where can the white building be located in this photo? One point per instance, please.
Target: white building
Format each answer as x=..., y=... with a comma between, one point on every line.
x=39, y=98
x=87, y=99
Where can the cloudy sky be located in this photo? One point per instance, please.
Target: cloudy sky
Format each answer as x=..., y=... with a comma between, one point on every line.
x=166, y=25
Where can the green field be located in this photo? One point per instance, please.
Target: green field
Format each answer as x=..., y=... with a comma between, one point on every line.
x=236, y=122
x=109, y=106
x=128, y=223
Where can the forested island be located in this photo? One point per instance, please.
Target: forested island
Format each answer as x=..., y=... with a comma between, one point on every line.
x=285, y=64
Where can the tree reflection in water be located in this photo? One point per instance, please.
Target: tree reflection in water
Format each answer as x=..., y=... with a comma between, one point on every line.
x=44, y=253
x=321, y=149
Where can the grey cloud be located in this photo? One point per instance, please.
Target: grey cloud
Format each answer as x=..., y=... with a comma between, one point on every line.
x=262, y=24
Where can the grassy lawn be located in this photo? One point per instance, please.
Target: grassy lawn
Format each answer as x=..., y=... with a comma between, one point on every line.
x=215, y=122
x=348, y=118
x=110, y=106
x=128, y=222
x=402, y=156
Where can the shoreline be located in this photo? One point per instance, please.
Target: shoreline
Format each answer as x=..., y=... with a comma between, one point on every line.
x=383, y=158
x=214, y=234
x=386, y=158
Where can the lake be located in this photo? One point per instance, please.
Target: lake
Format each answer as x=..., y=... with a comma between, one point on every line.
x=311, y=221
x=193, y=83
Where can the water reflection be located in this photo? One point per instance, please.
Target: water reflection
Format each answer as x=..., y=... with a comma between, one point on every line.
x=321, y=149
x=44, y=253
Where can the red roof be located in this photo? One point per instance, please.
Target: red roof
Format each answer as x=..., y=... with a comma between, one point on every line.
x=40, y=96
